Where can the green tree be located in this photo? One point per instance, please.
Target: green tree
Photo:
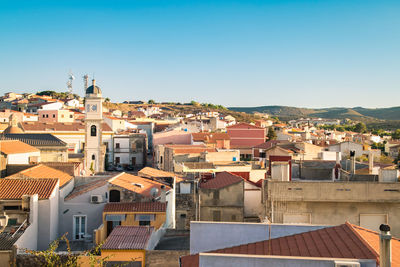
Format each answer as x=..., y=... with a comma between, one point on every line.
x=50, y=257
x=107, y=99
x=396, y=134
x=271, y=134
x=151, y=101
x=49, y=93
x=360, y=127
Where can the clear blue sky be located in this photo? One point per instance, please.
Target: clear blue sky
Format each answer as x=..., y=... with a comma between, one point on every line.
x=235, y=53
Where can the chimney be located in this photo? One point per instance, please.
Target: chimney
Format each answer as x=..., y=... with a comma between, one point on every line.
x=385, y=245
x=337, y=166
x=353, y=162
x=163, y=195
x=370, y=161
x=337, y=158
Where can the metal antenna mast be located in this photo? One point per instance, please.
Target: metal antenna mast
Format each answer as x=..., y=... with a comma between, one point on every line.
x=69, y=83
x=85, y=82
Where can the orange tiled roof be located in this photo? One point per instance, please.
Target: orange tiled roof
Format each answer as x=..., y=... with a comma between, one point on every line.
x=243, y=125
x=151, y=172
x=136, y=184
x=43, y=171
x=59, y=126
x=189, y=149
x=16, y=188
x=371, y=238
x=16, y=147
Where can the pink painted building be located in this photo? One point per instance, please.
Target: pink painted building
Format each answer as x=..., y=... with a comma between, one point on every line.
x=50, y=116
x=245, y=136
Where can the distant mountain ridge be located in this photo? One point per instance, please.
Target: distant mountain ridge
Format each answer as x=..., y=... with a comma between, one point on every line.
x=356, y=113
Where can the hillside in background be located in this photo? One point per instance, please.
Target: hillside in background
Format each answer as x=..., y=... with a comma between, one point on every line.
x=182, y=109
x=357, y=113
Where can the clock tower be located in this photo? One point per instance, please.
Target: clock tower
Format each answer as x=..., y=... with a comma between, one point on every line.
x=94, y=149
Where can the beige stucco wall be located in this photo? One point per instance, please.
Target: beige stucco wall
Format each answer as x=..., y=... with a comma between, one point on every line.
x=230, y=203
x=334, y=213
x=5, y=257
x=333, y=203
x=222, y=156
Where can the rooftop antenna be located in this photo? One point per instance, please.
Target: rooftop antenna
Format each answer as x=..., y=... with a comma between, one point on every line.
x=85, y=82
x=69, y=83
x=154, y=192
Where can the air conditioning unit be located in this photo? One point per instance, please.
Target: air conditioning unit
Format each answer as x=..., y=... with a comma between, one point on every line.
x=96, y=199
x=3, y=220
x=347, y=264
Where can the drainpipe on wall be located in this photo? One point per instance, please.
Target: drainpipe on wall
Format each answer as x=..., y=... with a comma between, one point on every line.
x=385, y=245
x=370, y=161
x=352, y=162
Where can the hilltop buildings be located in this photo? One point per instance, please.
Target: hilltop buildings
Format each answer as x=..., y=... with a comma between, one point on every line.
x=151, y=174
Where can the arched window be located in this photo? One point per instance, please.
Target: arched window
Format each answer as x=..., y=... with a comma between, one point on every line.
x=115, y=196
x=93, y=130
x=93, y=157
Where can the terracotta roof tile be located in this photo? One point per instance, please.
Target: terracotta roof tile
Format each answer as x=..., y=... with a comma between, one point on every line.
x=58, y=127
x=151, y=172
x=333, y=242
x=137, y=184
x=222, y=179
x=135, y=207
x=156, y=173
x=16, y=147
x=128, y=237
x=79, y=190
x=43, y=171
x=269, y=144
x=243, y=125
x=371, y=238
x=210, y=137
x=16, y=188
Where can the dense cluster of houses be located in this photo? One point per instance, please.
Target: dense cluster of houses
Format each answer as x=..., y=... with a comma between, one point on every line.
x=133, y=182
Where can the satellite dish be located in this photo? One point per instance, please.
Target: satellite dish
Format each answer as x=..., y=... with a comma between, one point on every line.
x=154, y=192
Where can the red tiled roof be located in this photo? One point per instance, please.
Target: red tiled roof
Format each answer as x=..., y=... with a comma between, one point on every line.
x=332, y=242
x=135, y=207
x=193, y=150
x=16, y=188
x=269, y=144
x=128, y=237
x=41, y=171
x=222, y=179
x=59, y=126
x=190, y=149
x=243, y=125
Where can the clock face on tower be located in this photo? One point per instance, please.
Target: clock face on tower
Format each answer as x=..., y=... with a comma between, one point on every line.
x=91, y=107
